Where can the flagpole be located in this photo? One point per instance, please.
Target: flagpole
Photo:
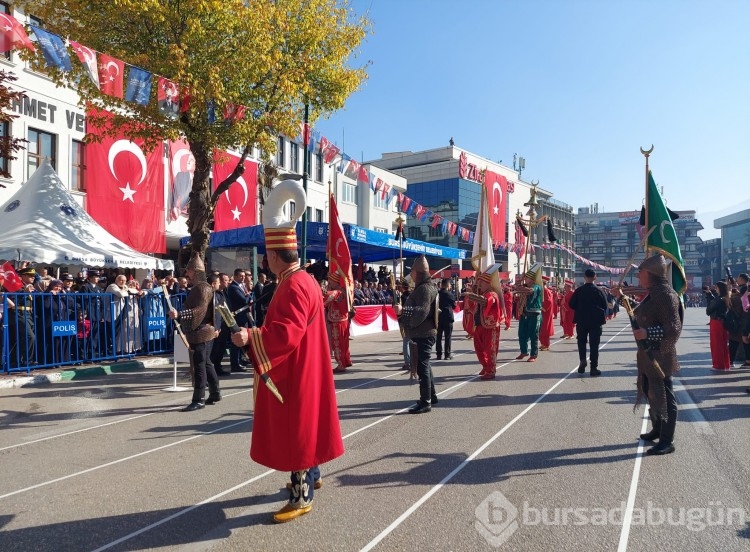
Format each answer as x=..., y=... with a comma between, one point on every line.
x=306, y=161
x=646, y=154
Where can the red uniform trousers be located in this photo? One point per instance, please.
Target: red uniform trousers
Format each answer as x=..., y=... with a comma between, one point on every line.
x=340, y=343
x=486, y=343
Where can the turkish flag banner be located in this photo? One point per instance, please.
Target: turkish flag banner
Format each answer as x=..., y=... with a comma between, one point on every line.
x=339, y=256
x=126, y=195
x=13, y=35
x=236, y=206
x=9, y=279
x=497, y=191
x=111, y=76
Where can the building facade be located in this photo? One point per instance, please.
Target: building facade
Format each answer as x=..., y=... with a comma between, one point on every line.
x=613, y=239
x=448, y=181
x=735, y=242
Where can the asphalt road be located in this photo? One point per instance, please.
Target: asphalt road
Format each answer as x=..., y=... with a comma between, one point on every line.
x=539, y=459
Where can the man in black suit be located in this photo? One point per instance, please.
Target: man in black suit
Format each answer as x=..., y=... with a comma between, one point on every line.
x=93, y=303
x=590, y=304
x=237, y=301
x=447, y=304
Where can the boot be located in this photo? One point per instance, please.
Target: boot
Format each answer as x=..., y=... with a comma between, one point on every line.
x=214, y=395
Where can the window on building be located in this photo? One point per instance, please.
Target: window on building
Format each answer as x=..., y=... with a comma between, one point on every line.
x=349, y=194
x=309, y=214
x=378, y=202
x=318, y=167
x=293, y=157
x=42, y=145
x=318, y=215
x=4, y=131
x=280, y=160
x=78, y=166
x=383, y=230
x=292, y=209
x=436, y=232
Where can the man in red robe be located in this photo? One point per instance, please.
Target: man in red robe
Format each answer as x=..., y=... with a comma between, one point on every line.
x=547, y=327
x=490, y=313
x=337, y=313
x=291, y=348
x=508, y=298
x=470, y=308
x=566, y=311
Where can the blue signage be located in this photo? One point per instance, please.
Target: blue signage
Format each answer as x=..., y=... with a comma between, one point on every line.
x=156, y=323
x=63, y=328
x=363, y=235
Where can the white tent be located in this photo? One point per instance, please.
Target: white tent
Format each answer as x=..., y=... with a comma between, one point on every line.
x=43, y=223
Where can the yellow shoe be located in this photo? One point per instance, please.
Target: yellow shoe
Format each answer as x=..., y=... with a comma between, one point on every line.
x=317, y=485
x=289, y=512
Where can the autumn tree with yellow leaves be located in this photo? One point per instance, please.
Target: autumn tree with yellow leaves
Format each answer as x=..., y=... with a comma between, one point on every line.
x=271, y=56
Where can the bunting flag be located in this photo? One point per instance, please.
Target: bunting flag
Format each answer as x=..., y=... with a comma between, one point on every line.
x=405, y=202
x=233, y=113
x=13, y=35
x=363, y=175
x=418, y=211
x=497, y=188
x=425, y=215
x=168, y=98
x=345, y=160
x=10, y=281
x=352, y=169
x=308, y=137
x=663, y=238
x=111, y=76
x=337, y=250
x=236, y=208
x=139, y=86
x=328, y=150
x=182, y=168
x=53, y=48
x=384, y=192
x=128, y=189
x=87, y=57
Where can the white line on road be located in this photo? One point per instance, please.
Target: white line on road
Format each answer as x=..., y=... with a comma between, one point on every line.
x=388, y=530
x=627, y=518
x=690, y=410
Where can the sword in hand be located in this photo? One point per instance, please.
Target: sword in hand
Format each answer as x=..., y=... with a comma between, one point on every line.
x=229, y=320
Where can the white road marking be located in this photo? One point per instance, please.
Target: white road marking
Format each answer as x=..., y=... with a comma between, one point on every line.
x=627, y=517
x=690, y=410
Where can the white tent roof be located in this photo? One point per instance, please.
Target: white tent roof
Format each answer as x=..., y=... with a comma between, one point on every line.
x=43, y=223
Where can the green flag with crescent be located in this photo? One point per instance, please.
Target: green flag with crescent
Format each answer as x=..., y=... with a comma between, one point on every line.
x=664, y=238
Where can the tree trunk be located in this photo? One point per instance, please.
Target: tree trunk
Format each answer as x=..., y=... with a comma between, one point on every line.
x=199, y=208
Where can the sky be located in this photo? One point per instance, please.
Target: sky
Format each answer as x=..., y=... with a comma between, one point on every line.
x=576, y=87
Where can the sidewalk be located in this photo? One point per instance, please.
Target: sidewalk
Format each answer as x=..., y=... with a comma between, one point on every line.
x=56, y=375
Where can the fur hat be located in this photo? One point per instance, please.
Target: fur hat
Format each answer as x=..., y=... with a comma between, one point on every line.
x=279, y=230
x=656, y=265
x=196, y=263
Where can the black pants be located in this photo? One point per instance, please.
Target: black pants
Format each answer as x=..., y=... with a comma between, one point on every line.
x=444, y=329
x=204, y=371
x=734, y=347
x=219, y=348
x=593, y=334
x=424, y=370
x=665, y=429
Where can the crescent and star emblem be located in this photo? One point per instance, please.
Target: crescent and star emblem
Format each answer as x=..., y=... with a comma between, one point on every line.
x=9, y=23
x=117, y=148
x=496, y=204
x=336, y=248
x=237, y=210
x=661, y=231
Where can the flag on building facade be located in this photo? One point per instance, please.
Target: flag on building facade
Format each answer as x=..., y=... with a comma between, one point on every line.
x=127, y=196
x=237, y=206
x=168, y=97
x=497, y=187
x=13, y=35
x=87, y=57
x=139, y=86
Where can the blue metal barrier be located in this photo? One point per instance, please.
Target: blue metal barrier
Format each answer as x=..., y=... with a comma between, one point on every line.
x=43, y=330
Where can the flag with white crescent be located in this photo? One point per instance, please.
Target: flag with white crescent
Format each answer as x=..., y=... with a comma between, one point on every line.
x=111, y=75
x=87, y=57
x=127, y=195
x=497, y=191
x=339, y=256
x=237, y=206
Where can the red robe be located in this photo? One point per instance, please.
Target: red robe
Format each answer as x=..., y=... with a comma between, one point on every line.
x=338, y=322
x=547, y=327
x=566, y=315
x=508, y=298
x=292, y=346
x=487, y=333
x=470, y=307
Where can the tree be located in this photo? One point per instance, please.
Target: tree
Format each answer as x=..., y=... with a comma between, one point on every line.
x=270, y=56
x=8, y=144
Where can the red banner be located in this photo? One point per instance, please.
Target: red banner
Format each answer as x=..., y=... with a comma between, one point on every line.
x=339, y=256
x=181, y=170
x=236, y=207
x=497, y=187
x=9, y=280
x=111, y=75
x=126, y=194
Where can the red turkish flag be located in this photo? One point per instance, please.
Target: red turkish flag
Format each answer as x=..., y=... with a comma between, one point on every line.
x=111, y=75
x=126, y=197
x=337, y=248
x=497, y=190
x=13, y=35
x=236, y=207
x=9, y=280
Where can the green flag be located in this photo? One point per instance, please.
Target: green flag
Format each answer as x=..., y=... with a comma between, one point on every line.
x=664, y=238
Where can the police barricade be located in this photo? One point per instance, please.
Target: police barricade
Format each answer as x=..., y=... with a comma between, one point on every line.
x=41, y=330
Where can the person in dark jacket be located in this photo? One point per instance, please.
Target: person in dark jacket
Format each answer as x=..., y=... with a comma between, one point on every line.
x=446, y=303
x=718, y=335
x=590, y=305
x=237, y=299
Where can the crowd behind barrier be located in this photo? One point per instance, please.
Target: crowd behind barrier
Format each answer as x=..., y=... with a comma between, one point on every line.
x=41, y=329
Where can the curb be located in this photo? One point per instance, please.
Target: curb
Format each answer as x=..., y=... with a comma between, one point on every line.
x=87, y=372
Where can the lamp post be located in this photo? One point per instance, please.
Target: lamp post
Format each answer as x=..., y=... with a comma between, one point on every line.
x=306, y=161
